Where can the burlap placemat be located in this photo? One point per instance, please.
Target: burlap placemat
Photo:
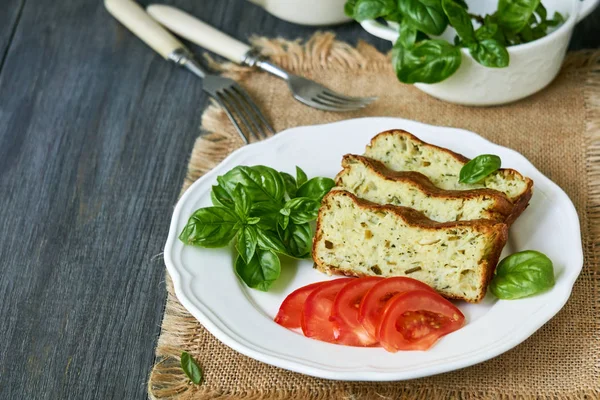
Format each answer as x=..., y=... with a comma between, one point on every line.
x=557, y=129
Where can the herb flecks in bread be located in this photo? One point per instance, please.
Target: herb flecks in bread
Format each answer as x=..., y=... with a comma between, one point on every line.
x=371, y=180
x=358, y=238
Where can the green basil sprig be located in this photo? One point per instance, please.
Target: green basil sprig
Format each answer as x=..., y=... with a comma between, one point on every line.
x=267, y=212
x=478, y=168
x=418, y=58
x=191, y=368
x=522, y=274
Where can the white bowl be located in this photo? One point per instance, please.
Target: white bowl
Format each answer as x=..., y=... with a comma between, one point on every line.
x=532, y=65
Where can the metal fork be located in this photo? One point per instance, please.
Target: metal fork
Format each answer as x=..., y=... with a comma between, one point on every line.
x=304, y=90
x=234, y=100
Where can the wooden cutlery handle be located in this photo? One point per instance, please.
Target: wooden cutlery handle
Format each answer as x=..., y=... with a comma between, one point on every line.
x=196, y=31
x=133, y=16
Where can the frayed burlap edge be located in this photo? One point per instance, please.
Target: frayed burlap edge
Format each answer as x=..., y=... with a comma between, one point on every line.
x=322, y=51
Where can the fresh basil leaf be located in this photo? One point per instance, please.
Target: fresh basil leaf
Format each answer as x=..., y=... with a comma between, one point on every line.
x=430, y=61
x=297, y=240
x=262, y=270
x=284, y=218
x=522, y=274
x=290, y=184
x=211, y=227
x=513, y=15
x=488, y=30
x=461, y=21
x=301, y=177
x=490, y=53
x=372, y=9
x=302, y=210
x=241, y=201
x=407, y=35
x=267, y=212
x=541, y=12
x=462, y=3
x=220, y=197
x=315, y=188
x=191, y=368
x=247, y=240
x=261, y=183
x=252, y=221
x=425, y=15
x=478, y=168
x=269, y=240
x=556, y=20
x=349, y=8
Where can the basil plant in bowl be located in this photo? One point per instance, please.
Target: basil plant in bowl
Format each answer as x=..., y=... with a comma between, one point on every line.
x=474, y=52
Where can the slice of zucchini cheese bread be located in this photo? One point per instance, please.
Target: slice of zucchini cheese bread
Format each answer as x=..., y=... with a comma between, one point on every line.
x=401, y=151
x=371, y=180
x=356, y=237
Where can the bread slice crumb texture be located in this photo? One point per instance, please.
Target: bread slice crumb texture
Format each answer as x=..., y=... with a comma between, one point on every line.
x=358, y=238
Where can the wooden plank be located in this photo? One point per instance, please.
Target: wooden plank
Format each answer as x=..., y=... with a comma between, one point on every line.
x=10, y=13
x=95, y=131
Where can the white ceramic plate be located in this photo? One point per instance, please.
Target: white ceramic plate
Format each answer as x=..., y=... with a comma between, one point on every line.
x=242, y=318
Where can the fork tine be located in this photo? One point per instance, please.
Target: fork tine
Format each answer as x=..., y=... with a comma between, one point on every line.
x=247, y=111
x=232, y=118
x=340, y=106
x=339, y=96
x=228, y=99
x=254, y=107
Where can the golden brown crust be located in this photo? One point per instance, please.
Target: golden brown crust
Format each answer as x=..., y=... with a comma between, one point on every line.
x=520, y=202
x=418, y=219
x=501, y=210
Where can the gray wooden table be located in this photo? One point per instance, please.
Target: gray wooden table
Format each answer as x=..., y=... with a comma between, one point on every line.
x=95, y=131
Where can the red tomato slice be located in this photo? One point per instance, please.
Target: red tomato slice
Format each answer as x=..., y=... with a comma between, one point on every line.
x=347, y=328
x=369, y=313
x=316, y=323
x=416, y=320
x=290, y=311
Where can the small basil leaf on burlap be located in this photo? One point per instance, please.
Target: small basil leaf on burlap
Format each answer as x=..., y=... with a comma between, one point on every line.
x=425, y=15
x=220, y=197
x=269, y=240
x=302, y=209
x=372, y=9
x=490, y=53
x=514, y=15
x=247, y=240
x=191, y=368
x=407, y=35
x=210, y=227
x=301, y=177
x=290, y=184
x=478, y=168
x=261, y=183
x=461, y=21
x=315, y=188
x=522, y=274
x=297, y=239
x=429, y=61
x=262, y=270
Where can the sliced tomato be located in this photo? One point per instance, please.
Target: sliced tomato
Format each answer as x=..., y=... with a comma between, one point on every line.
x=369, y=313
x=316, y=322
x=290, y=311
x=416, y=320
x=347, y=328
